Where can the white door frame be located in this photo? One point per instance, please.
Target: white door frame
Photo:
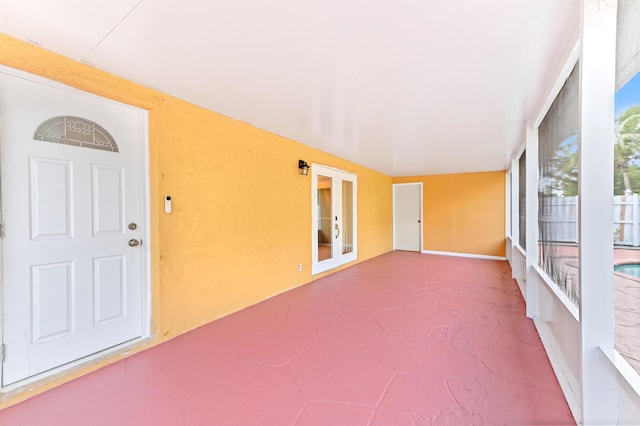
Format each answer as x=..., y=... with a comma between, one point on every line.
x=421, y=213
x=145, y=249
x=336, y=260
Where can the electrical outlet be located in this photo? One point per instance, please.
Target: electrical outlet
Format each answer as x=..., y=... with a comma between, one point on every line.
x=300, y=267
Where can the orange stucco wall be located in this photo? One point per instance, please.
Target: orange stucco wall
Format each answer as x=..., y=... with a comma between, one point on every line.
x=241, y=219
x=463, y=213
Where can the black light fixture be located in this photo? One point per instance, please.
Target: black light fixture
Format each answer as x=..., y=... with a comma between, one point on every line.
x=304, y=167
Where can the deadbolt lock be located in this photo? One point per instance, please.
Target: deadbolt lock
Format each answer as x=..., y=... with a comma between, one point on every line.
x=132, y=226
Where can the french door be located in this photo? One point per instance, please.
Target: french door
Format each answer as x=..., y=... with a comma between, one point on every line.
x=334, y=217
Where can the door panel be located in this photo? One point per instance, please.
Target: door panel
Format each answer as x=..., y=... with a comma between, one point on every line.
x=109, y=288
x=52, y=303
x=407, y=217
x=72, y=285
x=51, y=195
x=108, y=200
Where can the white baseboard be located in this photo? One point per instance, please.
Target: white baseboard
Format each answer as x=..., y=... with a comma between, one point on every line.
x=475, y=256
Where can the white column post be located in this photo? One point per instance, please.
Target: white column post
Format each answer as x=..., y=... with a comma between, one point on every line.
x=635, y=228
x=532, y=297
x=597, y=90
x=515, y=204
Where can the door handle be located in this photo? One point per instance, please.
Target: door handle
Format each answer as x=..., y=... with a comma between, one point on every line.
x=337, y=229
x=134, y=243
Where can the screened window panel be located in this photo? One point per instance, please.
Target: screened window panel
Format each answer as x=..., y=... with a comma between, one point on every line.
x=522, y=201
x=558, y=167
x=627, y=182
x=627, y=41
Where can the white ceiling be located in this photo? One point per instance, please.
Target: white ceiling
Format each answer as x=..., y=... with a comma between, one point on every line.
x=406, y=87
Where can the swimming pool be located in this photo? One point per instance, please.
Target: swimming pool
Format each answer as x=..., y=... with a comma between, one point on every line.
x=629, y=269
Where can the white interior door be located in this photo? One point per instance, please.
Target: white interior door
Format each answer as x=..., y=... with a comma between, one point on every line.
x=407, y=216
x=334, y=217
x=74, y=215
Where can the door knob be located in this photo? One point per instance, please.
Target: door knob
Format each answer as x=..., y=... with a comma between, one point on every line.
x=134, y=243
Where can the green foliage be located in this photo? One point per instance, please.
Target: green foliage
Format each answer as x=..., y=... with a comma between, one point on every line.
x=567, y=169
x=562, y=170
x=634, y=179
x=627, y=150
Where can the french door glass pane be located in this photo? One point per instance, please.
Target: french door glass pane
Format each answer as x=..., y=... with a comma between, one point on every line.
x=325, y=216
x=347, y=216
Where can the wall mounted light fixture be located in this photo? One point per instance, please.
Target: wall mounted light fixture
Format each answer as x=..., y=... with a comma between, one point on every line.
x=304, y=167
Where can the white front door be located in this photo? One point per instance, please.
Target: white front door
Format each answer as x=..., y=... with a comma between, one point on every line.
x=73, y=214
x=407, y=216
x=334, y=217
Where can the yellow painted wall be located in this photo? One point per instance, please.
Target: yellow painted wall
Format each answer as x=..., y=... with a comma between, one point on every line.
x=241, y=217
x=463, y=213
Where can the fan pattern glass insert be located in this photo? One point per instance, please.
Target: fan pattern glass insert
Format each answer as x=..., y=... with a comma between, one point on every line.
x=76, y=131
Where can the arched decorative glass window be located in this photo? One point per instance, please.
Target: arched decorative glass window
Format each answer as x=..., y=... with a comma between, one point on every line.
x=76, y=131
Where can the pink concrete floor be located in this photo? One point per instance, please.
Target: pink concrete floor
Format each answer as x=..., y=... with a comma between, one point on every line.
x=402, y=339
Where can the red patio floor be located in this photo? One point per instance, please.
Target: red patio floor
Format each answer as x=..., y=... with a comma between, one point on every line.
x=402, y=339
